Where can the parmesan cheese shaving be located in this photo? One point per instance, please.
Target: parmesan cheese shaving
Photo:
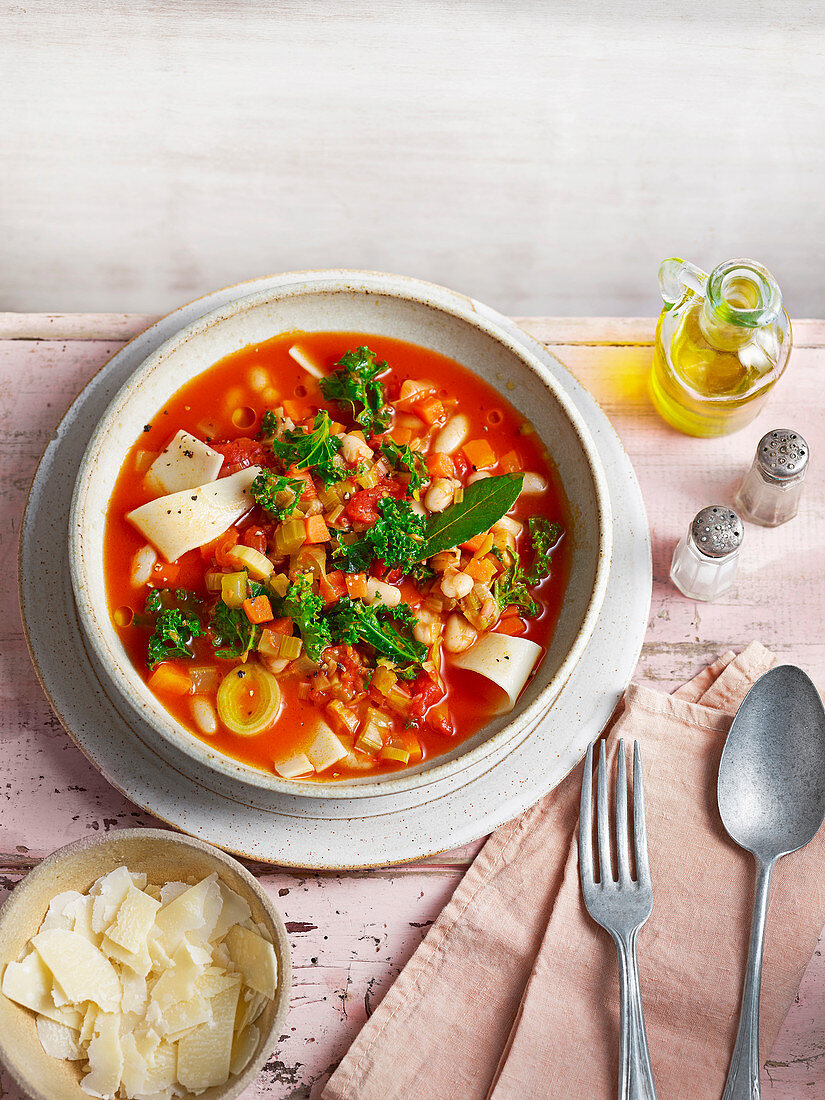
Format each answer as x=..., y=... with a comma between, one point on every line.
x=152, y=990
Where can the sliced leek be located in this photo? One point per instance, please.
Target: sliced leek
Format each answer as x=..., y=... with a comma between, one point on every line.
x=248, y=700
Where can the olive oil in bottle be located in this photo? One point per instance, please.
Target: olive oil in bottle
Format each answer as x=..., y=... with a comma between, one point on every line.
x=722, y=342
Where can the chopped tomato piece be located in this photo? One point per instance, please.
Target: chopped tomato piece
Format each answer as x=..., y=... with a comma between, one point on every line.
x=258, y=610
x=426, y=693
x=224, y=545
x=256, y=538
x=333, y=586
x=281, y=626
x=238, y=454
x=438, y=719
x=462, y=466
x=304, y=475
x=363, y=507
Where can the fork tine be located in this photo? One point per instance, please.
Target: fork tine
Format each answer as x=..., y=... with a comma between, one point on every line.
x=622, y=853
x=586, y=821
x=602, y=824
x=639, y=827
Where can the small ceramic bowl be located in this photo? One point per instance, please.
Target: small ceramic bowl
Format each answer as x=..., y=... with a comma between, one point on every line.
x=164, y=857
x=356, y=302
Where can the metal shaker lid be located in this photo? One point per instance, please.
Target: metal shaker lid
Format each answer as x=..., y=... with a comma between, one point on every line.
x=717, y=531
x=782, y=453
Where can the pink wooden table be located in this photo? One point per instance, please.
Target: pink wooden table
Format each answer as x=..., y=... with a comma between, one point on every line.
x=351, y=933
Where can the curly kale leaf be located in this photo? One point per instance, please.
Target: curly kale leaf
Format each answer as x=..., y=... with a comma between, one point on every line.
x=395, y=538
x=353, y=621
x=510, y=587
x=276, y=494
x=544, y=538
x=304, y=608
x=314, y=450
x=233, y=634
x=355, y=387
x=174, y=632
x=406, y=460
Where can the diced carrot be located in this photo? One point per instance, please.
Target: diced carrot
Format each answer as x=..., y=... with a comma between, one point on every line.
x=431, y=410
x=258, y=610
x=440, y=465
x=333, y=586
x=167, y=677
x=474, y=543
x=479, y=453
x=356, y=585
x=511, y=624
x=401, y=436
x=511, y=463
x=317, y=530
x=224, y=545
x=165, y=574
x=335, y=428
x=296, y=410
x=481, y=569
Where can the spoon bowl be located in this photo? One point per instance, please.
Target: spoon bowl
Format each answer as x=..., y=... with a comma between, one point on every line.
x=771, y=786
x=771, y=794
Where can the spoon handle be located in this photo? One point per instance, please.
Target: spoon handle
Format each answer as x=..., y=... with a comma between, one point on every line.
x=743, y=1075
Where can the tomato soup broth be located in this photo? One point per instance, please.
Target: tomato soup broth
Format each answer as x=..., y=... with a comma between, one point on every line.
x=225, y=407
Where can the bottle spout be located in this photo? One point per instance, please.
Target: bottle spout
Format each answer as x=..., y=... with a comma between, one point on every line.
x=676, y=277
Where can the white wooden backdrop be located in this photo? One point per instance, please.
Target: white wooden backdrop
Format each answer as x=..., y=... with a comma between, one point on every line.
x=543, y=156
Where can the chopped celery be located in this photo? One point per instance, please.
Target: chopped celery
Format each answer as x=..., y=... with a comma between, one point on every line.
x=400, y=756
x=383, y=679
x=290, y=536
x=257, y=564
x=279, y=583
x=368, y=479
x=343, y=718
x=234, y=589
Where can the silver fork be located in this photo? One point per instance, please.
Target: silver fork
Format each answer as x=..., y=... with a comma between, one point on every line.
x=622, y=907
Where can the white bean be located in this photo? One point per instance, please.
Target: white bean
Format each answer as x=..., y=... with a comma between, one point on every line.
x=456, y=585
x=354, y=449
x=418, y=508
x=439, y=495
x=380, y=593
x=204, y=714
x=534, y=484
x=452, y=435
x=258, y=379
x=459, y=635
x=142, y=564
x=479, y=475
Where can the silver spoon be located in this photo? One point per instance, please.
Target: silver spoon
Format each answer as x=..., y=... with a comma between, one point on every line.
x=771, y=792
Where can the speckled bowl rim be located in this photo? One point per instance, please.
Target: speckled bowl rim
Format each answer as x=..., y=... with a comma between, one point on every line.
x=48, y=865
x=295, y=284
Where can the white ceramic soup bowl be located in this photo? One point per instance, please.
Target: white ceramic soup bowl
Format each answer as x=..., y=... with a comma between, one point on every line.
x=368, y=303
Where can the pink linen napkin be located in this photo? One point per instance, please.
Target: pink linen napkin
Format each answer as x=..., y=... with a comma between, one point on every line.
x=514, y=992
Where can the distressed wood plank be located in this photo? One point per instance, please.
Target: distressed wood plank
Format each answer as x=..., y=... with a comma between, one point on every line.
x=373, y=920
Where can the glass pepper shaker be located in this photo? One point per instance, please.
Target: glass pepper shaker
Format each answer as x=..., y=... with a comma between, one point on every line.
x=707, y=556
x=770, y=491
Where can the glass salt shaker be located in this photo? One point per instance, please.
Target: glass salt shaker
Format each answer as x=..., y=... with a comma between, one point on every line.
x=770, y=491
x=706, y=557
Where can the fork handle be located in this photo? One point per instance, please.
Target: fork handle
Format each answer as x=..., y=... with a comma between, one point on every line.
x=635, y=1074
